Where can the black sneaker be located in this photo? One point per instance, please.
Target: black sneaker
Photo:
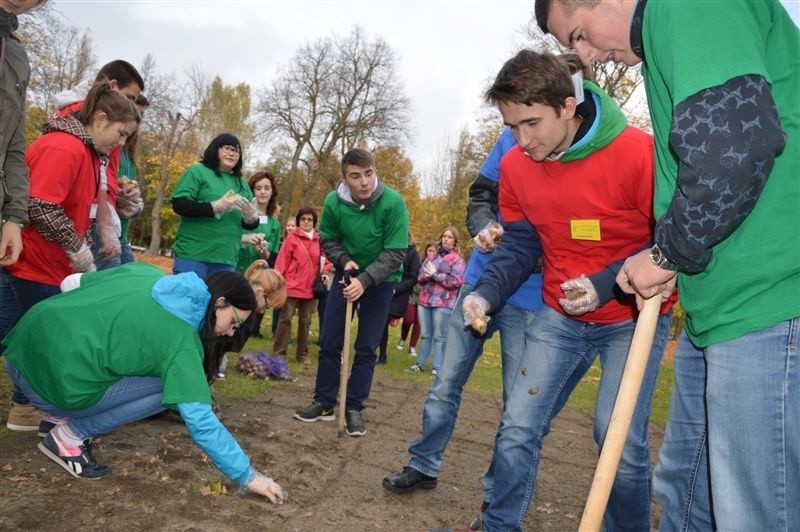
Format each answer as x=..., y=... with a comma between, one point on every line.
x=81, y=466
x=354, y=423
x=477, y=523
x=315, y=412
x=409, y=480
x=45, y=427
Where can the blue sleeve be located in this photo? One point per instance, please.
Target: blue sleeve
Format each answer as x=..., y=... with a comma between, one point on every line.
x=511, y=264
x=211, y=435
x=482, y=205
x=491, y=167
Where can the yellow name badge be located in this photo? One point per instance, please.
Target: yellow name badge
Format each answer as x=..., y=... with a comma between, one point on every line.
x=585, y=230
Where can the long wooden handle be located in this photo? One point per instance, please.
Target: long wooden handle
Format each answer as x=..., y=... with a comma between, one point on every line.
x=344, y=373
x=621, y=416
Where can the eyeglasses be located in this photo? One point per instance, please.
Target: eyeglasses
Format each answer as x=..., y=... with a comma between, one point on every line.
x=230, y=149
x=239, y=321
x=306, y=218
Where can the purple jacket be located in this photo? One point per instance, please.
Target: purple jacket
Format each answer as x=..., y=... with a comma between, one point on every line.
x=441, y=289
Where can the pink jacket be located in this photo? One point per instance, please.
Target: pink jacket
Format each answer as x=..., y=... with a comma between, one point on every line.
x=298, y=260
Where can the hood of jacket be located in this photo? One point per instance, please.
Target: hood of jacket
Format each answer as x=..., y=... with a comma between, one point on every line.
x=343, y=192
x=74, y=95
x=185, y=295
x=608, y=123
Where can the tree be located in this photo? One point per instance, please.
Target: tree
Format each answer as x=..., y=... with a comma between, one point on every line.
x=61, y=57
x=226, y=108
x=337, y=93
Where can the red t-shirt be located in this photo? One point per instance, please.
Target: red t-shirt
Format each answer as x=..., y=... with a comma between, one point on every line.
x=588, y=212
x=66, y=172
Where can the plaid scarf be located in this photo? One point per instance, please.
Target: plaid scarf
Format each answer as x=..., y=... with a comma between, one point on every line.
x=73, y=126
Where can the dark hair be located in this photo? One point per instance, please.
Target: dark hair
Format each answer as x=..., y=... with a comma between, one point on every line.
x=211, y=155
x=575, y=65
x=123, y=72
x=237, y=292
x=542, y=9
x=272, y=204
x=306, y=209
x=142, y=100
x=102, y=98
x=530, y=77
x=358, y=157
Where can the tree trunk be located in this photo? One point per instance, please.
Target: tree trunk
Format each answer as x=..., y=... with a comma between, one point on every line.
x=158, y=201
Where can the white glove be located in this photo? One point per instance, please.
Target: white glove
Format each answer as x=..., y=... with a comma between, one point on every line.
x=429, y=268
x=488, y=238
x=82, y=260
x=253, y=239
x=580, y=296
x=474, y=309
x=247, y=208
x=224, y=204
x=264, y=485
x=129, y=198
x=71, y=282
x=109, y=238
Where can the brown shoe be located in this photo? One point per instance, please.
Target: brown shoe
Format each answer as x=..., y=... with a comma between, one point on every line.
x=23, y=418
x=305, y=360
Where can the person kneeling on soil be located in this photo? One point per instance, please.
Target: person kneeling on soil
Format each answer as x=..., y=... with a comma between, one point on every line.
x=92, y=377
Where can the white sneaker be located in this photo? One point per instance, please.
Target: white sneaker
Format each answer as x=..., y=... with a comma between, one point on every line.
x=434, y=372
x=400, y=345
x=414, y=369
x=412, y=352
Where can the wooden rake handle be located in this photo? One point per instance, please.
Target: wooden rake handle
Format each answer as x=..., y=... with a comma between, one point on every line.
x=344, y=372
x=621, y=416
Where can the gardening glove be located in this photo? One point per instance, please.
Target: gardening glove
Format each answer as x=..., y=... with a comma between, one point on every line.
x=129, y=198
x=488, y=238
x=248, y=209
x=474, y=309
x=224, y=204
x=253, y=239
x=109, y=228
x=82, y=260
x=580, y=296
x=264, y=485
x=430, y=269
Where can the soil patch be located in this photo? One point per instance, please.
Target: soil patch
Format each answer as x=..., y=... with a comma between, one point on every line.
x=161, y=479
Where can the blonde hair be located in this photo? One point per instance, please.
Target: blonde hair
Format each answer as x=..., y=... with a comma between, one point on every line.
x=270, y=280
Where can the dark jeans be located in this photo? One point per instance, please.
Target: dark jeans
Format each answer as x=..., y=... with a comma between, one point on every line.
x=16, y=297
x=372, y=312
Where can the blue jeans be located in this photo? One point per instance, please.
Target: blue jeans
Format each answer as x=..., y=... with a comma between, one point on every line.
x=202, y=269
x=558, y=352
x=731, y=454
x=126, y=254
x=433, y=325
x=373, y=307
x=127, y=400
x=16, y=297
x=462, y=350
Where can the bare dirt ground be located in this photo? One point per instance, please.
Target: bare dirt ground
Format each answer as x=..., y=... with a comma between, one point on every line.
x=161, y=479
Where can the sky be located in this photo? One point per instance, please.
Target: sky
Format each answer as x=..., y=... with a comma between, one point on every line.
x=448, y=51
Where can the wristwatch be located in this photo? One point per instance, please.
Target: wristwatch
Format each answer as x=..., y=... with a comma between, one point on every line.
x=661, y=260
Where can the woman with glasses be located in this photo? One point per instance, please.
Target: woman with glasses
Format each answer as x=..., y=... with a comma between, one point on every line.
x=299, y=260
x=182, y=325
x=215, y=205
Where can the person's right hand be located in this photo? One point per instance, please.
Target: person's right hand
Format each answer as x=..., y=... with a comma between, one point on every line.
x=430, y=269
x=264, y=485
x=488, y=238
x=224, y=204
x=82, y=260
x=474, y=309
x=254, y=239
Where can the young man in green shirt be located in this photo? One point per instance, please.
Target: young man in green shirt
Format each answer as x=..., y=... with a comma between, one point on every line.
x=722, y=81
x=364, y=232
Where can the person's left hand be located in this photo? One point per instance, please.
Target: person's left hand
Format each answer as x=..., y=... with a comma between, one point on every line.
x=430, y=269
x=109, y=239
x=580, y=296
x=640, y=276
x=489, y=237
x=10, y=243
x=264, y=485
x=248, y=209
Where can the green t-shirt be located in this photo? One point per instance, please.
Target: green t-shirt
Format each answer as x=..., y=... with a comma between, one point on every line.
x=126, y=169
x=364, y=233
x=269, y=226
x=209, y=239
x=753, y=279
x=72, y=347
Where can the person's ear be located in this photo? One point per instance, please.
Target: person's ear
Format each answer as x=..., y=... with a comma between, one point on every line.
x=570, y=106
x=221, y=302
